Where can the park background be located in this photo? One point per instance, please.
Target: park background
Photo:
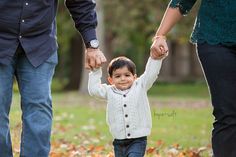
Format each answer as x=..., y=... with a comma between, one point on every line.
x=179, y=100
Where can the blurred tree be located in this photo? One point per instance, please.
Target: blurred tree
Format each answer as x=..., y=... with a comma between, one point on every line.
x=71, y=50
x=100, y=35
x=65, y=33
x=127, y=30
x=130, y=25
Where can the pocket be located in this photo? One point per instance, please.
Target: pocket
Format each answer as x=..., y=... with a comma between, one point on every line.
x=53, y=59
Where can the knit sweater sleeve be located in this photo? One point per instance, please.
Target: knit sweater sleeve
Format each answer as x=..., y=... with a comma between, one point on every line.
x=95, y=87
x=151, y=73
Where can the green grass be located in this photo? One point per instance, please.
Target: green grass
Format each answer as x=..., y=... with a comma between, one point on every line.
x=187, y=127
x=177, y=117
x=180, y=90
x=184, y=125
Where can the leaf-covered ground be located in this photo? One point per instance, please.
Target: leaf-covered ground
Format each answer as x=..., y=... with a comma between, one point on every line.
x=181, y=127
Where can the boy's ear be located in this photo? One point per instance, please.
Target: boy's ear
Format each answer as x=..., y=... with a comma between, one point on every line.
x=135, y=76
x=109, y=79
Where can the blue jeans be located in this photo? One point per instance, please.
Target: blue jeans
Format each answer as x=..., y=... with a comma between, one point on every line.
x=219, y=65
x=130, y=147
x=34, y=86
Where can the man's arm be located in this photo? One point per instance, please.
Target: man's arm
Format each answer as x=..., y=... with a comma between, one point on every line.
x=85, y=18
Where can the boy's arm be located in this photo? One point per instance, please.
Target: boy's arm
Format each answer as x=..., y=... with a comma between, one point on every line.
x=95, y=87
x=151, y=72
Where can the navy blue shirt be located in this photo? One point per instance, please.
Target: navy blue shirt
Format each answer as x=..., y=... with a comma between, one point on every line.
x=31, y=24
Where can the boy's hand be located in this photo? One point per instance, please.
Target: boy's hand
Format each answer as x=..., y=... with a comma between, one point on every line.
x=159, y=48
x=94, y=58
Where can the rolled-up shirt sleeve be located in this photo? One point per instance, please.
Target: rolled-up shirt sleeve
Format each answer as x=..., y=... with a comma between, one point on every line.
x=184, y=5
x=85, y=17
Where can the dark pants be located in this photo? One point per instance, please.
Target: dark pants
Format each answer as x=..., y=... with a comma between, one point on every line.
x=219, y=65
x=130, y=147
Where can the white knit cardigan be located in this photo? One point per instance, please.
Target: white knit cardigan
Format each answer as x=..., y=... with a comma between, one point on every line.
x=128, y=113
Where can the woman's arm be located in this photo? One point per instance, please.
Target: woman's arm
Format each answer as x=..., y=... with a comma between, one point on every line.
x=173, y=13
x=159, y=46
x=170, y=18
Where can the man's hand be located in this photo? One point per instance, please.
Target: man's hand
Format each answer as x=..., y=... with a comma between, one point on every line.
x=159, y=48
x=94, y=58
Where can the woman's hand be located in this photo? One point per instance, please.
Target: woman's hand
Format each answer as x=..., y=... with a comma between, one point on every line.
x=159, y=48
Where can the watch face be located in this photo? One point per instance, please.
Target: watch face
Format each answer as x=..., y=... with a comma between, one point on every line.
x=94, y=43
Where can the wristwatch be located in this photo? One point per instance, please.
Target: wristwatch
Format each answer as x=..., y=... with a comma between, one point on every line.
x=94, y=44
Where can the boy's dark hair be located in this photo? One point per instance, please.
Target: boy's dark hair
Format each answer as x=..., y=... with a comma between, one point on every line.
x=121, y=62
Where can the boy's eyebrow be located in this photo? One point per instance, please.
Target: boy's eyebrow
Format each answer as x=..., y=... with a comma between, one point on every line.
x=126, y=73
x=115, y=74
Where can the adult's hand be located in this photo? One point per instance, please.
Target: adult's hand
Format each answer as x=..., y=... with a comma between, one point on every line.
x=159, y=47
x=94, y=58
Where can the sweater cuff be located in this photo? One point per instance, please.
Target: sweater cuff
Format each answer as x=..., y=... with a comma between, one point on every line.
x=156, y=60
x=96, y=72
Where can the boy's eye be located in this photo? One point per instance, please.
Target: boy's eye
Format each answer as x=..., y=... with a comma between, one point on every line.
x=127, y=75
x=117, y=76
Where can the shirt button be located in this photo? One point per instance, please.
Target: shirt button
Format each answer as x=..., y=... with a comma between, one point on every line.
x=26, y=3
x=127, y=126
x=125, y=105
x=20, y=36
x=126, y=115
x=22, y=20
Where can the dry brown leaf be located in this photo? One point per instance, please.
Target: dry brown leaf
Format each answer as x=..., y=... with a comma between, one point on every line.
x=110, y=155
x=182, y=154
x=91, y=148
x=176, y=145
x=56, y=154
x=150, y=150
x=99, y=148
x=159, y=143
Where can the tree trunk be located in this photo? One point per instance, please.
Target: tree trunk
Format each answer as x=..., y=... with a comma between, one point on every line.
x=100, y=36
x=182, y=67
x=166, y=69
x=76, y=63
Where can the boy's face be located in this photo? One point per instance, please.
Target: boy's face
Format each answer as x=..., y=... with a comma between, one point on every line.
x=122, y=78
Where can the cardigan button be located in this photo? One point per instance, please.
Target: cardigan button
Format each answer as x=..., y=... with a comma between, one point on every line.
x=125, y=105
x=128, y=134
x=124, y=95
x=126, y=115
x=127, y=126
